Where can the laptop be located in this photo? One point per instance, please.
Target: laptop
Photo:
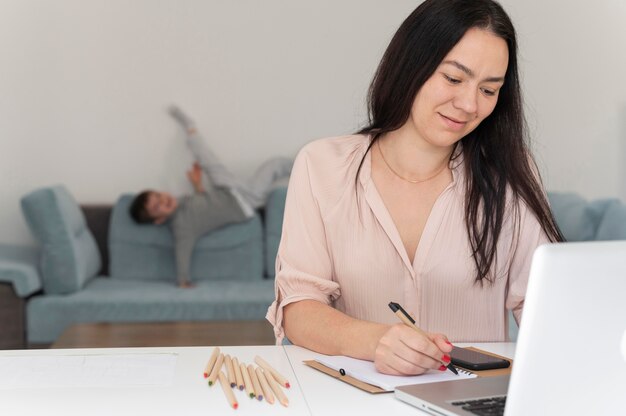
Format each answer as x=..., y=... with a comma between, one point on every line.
x=570, y=356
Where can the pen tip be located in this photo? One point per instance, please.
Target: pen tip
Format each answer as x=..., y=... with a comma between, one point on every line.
x=451, y=367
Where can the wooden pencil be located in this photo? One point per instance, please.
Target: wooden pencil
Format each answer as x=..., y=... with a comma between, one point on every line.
x=216, y=369
x=211, y=363
x=277, y=376
x=267, y=390
x=228, y=391
x=238, y=375
x=255, y=382
x=230, y=370
x=278, y=391
x=247, y=381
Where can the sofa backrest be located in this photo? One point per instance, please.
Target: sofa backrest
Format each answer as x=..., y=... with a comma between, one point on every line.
x=581, y=220
x=233, y=252
x=69, y=255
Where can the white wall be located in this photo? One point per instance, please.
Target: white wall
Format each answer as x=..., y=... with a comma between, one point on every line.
x=84, y=86
x=574, y=63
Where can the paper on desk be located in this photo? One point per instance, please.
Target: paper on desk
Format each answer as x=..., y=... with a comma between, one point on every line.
x=365, y=371
x=84, y=370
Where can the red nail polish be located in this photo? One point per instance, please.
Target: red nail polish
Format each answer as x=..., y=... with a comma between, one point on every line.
x=448, y=342
x=442, y=368
x=446, y=358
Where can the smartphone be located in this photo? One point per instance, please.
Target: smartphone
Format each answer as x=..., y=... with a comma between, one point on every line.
x=474, y=360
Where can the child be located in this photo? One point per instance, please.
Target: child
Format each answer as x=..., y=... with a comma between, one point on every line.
x=225, y=200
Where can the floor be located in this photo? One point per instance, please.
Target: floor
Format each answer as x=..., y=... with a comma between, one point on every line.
x=166, y=334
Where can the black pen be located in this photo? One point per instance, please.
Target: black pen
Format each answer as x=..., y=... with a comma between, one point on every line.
x=408, y=321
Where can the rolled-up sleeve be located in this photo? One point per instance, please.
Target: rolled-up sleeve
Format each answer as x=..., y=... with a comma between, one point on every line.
x=531, y=236
x=303, y=265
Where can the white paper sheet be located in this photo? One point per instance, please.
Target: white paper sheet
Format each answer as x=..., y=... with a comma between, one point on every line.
x=365, y=371
x=98, y=370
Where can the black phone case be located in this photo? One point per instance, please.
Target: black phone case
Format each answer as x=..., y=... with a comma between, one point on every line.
x=492, y=365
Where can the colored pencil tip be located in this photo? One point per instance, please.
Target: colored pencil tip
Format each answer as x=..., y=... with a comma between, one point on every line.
x=205, y=375
x=232, y=385
x=235, y=406
x=241, y=388
x=210, y=383
x=451, y=367
x=287, y=385
x=252, y=395
x=259, y=397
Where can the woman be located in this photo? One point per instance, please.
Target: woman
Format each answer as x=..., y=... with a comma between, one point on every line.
x=436, y=204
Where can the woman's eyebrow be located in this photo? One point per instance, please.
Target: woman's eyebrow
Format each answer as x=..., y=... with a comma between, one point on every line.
x=470, y=73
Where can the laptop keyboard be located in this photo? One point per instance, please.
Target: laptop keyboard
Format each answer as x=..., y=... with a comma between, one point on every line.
x=484, y=406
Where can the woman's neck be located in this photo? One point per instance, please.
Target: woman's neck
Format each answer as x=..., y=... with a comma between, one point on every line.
x=412, y=157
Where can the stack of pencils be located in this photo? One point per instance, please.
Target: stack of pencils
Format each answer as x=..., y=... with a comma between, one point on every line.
x=260, y=382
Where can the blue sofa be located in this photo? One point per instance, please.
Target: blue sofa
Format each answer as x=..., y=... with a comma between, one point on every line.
x=233, y=267
x=62, y=284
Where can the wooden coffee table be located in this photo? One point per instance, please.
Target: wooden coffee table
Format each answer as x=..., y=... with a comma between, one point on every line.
x=166, y=334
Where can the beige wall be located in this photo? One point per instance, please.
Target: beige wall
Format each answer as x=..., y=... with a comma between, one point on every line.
x=84, y=86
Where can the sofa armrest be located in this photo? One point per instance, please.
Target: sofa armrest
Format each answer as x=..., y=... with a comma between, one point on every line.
x=19, y=267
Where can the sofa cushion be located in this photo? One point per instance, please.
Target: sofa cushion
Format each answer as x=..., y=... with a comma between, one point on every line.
x=69, y=255
x=613, y=223
x=140, y=251
x=117, y=300
x=573, y=216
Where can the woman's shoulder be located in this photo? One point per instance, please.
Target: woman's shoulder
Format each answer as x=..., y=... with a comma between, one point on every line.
x=336, y=149
x=333, y=157
x=329, y=165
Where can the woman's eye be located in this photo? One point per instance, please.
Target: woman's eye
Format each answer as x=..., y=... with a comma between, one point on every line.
x=488, y=92
x=451, y=80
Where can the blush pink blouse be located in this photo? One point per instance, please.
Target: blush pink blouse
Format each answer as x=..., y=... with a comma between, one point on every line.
x=340, y=246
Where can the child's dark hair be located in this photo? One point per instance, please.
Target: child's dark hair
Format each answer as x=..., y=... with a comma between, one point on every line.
x=138, y=210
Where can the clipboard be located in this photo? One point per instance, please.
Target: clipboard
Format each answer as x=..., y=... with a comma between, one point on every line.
x=377, y=390
x=346, y=379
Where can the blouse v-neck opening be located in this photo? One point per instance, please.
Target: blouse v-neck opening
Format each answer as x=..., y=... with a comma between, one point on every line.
x=382, y=214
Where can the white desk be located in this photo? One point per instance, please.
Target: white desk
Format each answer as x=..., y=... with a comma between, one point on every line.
x=312, y=393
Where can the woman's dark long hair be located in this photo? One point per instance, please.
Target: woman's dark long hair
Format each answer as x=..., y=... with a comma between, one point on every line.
x=496, y=154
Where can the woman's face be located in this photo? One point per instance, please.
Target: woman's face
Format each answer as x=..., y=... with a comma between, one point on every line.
x=462, y=91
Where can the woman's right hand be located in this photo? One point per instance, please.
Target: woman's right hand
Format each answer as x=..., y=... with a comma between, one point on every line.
x=404, y=351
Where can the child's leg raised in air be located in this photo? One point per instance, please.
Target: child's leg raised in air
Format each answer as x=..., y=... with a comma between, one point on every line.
x=266, y=175
x=253, y=193
x=208, y=160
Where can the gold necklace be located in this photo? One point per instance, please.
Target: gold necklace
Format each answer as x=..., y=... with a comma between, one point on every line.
x=402, y=177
